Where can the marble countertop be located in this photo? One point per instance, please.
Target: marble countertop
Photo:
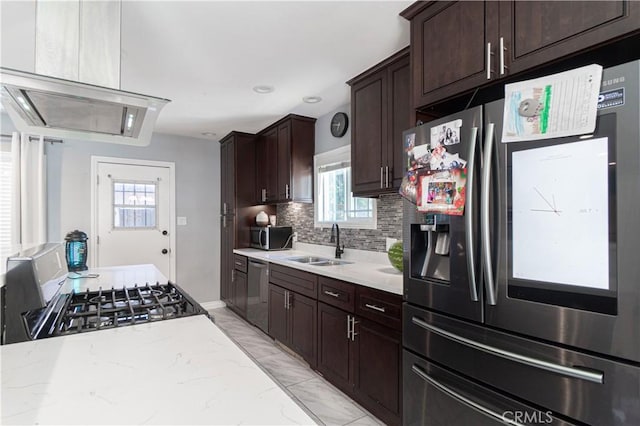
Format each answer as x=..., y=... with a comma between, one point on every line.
x=179, y=371
x=372, y=271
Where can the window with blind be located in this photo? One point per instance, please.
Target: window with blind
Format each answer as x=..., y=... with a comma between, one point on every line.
x=335, y=202
x=5, y=196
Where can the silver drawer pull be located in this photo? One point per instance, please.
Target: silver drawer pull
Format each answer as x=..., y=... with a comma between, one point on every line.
x=331, y=293
x=239, y=263
x=374, y=307
x=512, y=356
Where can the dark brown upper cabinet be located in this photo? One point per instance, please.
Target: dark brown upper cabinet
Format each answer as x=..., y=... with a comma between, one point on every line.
x=284, y=161
x=380, y=112
x=459, y=46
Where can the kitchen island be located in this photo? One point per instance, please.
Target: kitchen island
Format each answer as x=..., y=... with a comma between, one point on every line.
x=177, y=371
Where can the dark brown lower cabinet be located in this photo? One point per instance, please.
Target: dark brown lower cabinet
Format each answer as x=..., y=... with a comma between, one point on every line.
x=334, y=346
x=239, y=293
x=292, y=321
x=364, y=362
x=377, y=369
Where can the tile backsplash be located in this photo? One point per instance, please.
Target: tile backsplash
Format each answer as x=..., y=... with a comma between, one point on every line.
x=300, y=217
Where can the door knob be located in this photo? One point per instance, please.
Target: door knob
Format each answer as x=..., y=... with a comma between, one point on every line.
x=165, y=251
x=164, y=232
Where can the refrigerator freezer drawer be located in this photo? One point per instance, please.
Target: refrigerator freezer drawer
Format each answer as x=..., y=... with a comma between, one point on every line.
x=580, y=386
x=440, y=397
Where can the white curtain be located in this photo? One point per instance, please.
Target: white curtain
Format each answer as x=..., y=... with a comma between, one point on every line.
x=29, y=198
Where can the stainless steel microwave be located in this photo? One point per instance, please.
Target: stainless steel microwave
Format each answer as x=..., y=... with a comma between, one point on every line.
x=271, y=237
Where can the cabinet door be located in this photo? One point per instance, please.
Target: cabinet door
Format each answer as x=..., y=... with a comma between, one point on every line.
x=284, y=162
x=302, y=326
x=399, y=119
x=241, y=292
x=227, y=241
x=369, y=133
x=536, y=32
x=278, y=313
x=261, y=169
x=334, y=346
x=377, y=364
x=449, y=48
x=270, y=164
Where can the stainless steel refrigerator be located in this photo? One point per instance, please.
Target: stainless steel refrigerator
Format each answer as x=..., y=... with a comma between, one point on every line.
x=531, y=314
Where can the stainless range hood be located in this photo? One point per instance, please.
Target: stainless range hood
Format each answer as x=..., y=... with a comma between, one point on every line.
x=49, y=106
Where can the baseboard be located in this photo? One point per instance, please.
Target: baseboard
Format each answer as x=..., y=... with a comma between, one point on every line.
x=213, y=305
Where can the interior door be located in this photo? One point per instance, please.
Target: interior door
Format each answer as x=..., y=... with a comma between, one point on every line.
x=133, y=211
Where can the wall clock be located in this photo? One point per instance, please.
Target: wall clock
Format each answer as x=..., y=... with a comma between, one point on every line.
x=339, y=124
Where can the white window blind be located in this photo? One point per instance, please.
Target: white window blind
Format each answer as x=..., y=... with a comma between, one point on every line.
x=5, y=195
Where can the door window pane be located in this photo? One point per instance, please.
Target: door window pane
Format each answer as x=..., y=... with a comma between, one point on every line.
x=134, y=205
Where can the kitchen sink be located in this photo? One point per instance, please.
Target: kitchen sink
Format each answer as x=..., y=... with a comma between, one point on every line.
x=318, y=261
x=308, y=259
x=331, y=263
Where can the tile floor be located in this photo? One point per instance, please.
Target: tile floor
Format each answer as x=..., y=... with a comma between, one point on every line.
x=321, y=400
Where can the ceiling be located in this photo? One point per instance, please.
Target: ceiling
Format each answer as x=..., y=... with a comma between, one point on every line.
x=207, y=56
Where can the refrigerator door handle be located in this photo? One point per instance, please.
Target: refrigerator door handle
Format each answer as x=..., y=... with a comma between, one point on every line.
x=469, y=214
x=577, y=373
x=485, y=226
x=500, y=417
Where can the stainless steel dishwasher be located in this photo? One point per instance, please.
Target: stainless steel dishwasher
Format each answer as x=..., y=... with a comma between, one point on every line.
x=258, y=294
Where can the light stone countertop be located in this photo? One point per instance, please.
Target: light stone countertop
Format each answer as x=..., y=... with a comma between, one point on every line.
x=368, y=269
x=180, y=371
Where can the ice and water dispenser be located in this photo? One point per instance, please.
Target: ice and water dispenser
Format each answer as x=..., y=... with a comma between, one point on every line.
x=430, y=248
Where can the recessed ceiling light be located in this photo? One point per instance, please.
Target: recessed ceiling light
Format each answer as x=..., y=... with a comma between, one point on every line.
x=211, y=134
x=263, y=89
x=312, y=99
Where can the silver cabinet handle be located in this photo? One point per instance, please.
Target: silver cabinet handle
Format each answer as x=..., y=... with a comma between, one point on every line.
x=374, y=307
x=489, y=53
x=348, y=327
x=463, y=399
x=238, y=263
x=502, y=50
x=469, y=215
x=224, y=221
x=353, y=328
x=512, y=356
x=264, y=195
x=386, y=174
x=233, y=275
x=485, y=225
x=224, y=208
x=286, y=302
x=331, y=293
x=286, y=190
x=381, y=177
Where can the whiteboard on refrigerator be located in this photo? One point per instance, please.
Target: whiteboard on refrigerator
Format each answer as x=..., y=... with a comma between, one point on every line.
x=560, y=205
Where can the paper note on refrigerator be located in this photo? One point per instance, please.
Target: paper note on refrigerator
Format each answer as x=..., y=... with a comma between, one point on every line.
x=557, y=105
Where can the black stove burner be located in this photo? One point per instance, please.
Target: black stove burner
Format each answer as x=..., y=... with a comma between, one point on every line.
x=95, y=310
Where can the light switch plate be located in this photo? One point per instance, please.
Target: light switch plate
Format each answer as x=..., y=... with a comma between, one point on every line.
x=182, y=220
x=390, y=242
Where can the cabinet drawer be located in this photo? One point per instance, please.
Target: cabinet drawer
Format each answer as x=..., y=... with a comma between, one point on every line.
x=240, y=263
x=294, y=280
x=337, y=293
x=379, y=306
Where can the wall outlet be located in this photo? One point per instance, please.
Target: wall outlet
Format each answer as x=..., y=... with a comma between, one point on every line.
x=182, y=220
x=295, y=237
x=390, y=242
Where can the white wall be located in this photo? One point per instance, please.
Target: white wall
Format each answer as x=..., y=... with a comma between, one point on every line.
x=197, y=197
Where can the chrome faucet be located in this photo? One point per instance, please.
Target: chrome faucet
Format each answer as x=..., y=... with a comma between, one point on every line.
x=335, y=238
